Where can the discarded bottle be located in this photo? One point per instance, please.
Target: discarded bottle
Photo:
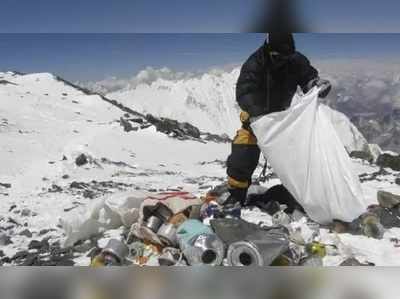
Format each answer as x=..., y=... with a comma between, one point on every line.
x=316, y=252
x=114, y=254
x=316, y=248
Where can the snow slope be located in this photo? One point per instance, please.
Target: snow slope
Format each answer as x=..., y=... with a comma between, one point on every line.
x=45, y=124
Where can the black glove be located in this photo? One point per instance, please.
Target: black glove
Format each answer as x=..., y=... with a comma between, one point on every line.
x=324, y=85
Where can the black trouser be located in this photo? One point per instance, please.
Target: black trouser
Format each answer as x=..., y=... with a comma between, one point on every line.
x=243, y=160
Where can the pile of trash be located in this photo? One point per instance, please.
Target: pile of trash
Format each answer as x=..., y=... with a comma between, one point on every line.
x=319, y=186
x=179, y=229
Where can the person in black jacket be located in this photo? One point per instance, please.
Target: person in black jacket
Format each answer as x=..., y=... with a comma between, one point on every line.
x=267, y=83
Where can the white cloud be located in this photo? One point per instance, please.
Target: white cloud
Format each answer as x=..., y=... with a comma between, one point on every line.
x=150, y=75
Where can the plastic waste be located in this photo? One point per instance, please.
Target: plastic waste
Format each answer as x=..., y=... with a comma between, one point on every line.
x=281, y=218
x=308, y=156
x=199, y=244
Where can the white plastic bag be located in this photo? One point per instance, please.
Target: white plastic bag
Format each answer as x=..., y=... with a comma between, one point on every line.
x=306, y=153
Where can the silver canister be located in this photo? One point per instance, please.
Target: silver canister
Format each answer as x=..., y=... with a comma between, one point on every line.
x=117, y=249
x=153, y=223
x=244, y=254
x=207, y=249
x=258, y=251
x=167, y=234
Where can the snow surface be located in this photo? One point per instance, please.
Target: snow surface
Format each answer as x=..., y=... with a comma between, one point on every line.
x=42, y=120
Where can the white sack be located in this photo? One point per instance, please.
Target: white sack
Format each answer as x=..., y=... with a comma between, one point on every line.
x=100, y=217
x=306, y=153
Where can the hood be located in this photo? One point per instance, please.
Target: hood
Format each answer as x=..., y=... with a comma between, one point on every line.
x=282, y=43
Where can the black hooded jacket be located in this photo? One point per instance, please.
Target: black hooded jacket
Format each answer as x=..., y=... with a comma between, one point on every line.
x=267, y=84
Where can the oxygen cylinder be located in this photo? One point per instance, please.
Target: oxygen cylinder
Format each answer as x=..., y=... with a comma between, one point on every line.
x=199, y=244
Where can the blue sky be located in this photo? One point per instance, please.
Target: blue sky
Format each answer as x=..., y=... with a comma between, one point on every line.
x=91, y=57
x=188, y=16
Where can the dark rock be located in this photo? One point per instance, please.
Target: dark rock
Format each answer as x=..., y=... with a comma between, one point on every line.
x=145, y=126
x=397, y=181
x=137, y=120
x=375, y=176
x=64, y=158
x=5, y=82
x=2, y=254
x=81, y=160
x=388, y=200
x=20, y=255
x=6, y=260
x=5, y=240
x=366, y=156
x=89, y=194
x=55, y=189
x=78, y=185
x=70, y=209
x=177, y=129
x=5, y=185
x=389, y=218
x=127, y=125
x=389, y=161
x=65, y=176
x=32, y=259
x=64, y=94
x=216, y=138
x=26, y=212
x=45, y=231
x=26, y=233
x=12, y=208
x=41, y=246
x=11, y=220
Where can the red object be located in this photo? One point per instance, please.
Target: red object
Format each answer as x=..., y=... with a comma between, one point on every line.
x=167, y=195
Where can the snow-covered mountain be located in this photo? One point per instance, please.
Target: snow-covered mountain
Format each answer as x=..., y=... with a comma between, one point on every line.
x=64, y=150
x=208, y=102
